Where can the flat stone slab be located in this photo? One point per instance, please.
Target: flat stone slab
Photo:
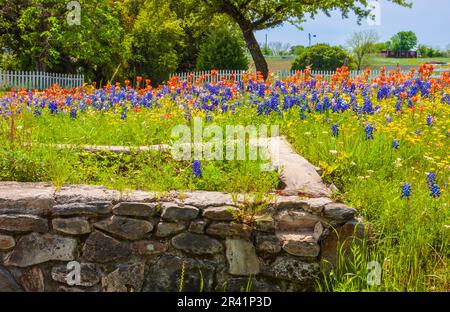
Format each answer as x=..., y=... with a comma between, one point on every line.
x=135, y=209
x=203, y=199
x=26, y=198
x=242, y=258
x=23, y=223
x=197, y=244
x=85, y=193
x=35, y=248
x=299, y=176
x=127, y=228
x=299, y=244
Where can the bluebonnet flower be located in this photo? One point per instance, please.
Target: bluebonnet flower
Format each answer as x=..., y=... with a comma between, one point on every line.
x=431, y=178
x=335, y=130
x=418, y=132
x=53, y=107
x=388, y=119
x=369, y=132
x=429, y=120
x=406, y=191
x=435, y=191
x=395, y=144
x=302, y=115
x=123, y=116
x=196, y=167
x=73, y=113
x=398, y=106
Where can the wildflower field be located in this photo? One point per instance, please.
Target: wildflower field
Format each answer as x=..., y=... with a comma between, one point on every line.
x=384, y=143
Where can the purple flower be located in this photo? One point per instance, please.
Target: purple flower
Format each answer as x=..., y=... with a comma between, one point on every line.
x=73, y=113
x=430, y=120
x=196, y=167
x=335, y=130
x=435, y=191
x=406, y=191
x=395, y=144
x=369, y=131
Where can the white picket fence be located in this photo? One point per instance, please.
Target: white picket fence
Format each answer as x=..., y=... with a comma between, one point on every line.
x=280, y=74
x=38, y=80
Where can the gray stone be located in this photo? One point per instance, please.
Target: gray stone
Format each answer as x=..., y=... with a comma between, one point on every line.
x=300, y=245
x=7, y=242
x=82, y=208
x=298, y=175
x=166, y=274
x=126, y=278
x=241, y=256
x=341, y=240
x=32, y=280
x=85, y=194
x=7, y=282
x=89, y=274
x=35, y=248
x=23, y=223
x=268, y=243
x=202, y=199
x=289, y=202
x=150, y=248
x=26, y=198
x=293, y=269
x=166, y=229
x=197, y=244
x=134, y=209
x=265, y=223
x=198, y=226
x=126, y=228
x=68, y=289
x=142, y=196
x=224, y=213
x=339, y=213
x=228, y=229
x=173, y=212
x=296, y=221
x=72, y=226
x=316, y=205
x=102, y=248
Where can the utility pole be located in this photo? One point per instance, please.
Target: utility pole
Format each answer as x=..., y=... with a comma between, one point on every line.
x=266, y=43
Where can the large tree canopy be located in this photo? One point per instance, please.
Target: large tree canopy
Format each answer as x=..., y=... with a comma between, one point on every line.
x=252, y=15
x=403, y=41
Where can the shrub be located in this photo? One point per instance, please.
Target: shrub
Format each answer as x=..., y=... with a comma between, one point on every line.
x=323, y=57
x=223, y=49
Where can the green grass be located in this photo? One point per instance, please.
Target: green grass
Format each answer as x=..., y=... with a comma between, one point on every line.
x=378, y=61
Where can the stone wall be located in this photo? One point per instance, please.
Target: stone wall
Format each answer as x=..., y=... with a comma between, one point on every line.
x=142, y=241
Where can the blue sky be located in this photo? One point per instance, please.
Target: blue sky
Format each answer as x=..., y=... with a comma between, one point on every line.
x=429, y=19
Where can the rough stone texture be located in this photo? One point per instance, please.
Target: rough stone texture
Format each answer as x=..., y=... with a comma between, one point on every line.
x=270, y=244
x=7, y=282
x=197, y=244
x=150, y=248
x=173, y=212
x=241, y=256
x=349, y=233
x=102, y=248
x=279, y=249
x=85, y=194
x=198, y=226
x=89, y=274
x=85, y=209
x=127, y=277
x=23, y=223
x=224, y=213
x=7, y=242
x=26, y=198
x=35, y=248
x=165, y=275
x=32, y=280
x=296, y=220
x=202, y=199
x=134, y=209
x=167, y=229
x=265, y=223
x=315, y=205
x=339, y=213
x=126, y=228
x=300, y=245
x=224, y=230
x=72, y=226
x=299, y=176
x=293, y=269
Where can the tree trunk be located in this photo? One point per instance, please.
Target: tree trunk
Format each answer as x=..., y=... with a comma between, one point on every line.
x=255, y=51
